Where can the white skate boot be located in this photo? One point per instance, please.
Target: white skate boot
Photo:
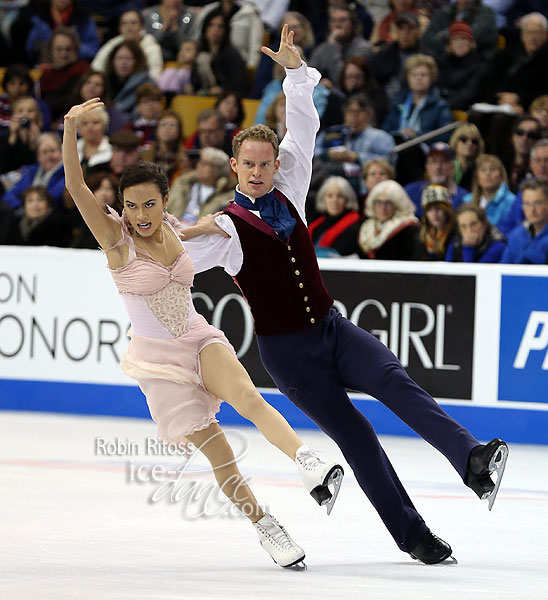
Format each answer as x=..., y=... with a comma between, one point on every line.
x=317, y=476
x=276, y=541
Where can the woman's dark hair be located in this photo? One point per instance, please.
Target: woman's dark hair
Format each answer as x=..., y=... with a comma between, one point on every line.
x=105, y=96
x=143, y=172
x=42, y=191
x=18, y=71
x=469, y=207
x=369, y=80
x=135, y=49
x=96, y=178
x=203, y=46
x=241, y=113
x=522, y=119
x=131, y=10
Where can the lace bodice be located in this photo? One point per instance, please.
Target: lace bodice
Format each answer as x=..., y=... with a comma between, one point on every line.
x=148, y=286
x=171, y=306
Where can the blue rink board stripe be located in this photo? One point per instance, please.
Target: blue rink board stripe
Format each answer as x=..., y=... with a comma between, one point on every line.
x=514, y=425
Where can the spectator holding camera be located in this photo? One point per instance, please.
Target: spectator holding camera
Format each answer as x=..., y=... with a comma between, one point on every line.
x=26, y=124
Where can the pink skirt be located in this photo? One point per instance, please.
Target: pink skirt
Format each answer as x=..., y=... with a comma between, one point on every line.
x=169, y=375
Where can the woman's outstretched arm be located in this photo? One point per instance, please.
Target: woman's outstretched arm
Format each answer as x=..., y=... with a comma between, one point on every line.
x=105, y=230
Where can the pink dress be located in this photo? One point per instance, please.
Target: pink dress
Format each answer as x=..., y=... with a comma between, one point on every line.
x=167, y=335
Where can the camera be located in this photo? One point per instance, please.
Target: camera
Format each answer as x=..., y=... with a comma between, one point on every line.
x=24, y=122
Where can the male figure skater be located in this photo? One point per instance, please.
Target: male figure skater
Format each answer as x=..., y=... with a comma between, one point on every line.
x=311, y=351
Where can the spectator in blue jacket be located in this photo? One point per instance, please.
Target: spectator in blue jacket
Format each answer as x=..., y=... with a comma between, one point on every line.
x=490, y=188
x=47, y=16
x=538, y=163
x=355, y=141
x=476, y=240
x=528, y=244
x=415, y=111
x=48, y=173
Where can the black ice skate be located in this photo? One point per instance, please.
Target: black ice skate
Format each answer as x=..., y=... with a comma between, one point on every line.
x=318, y=475
x=432, y=550
x=482, y=463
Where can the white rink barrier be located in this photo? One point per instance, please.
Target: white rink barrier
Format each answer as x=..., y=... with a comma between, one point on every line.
x=475, y=336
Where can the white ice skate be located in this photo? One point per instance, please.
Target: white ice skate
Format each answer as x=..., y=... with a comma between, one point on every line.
x=276, y=541
x=318, y=475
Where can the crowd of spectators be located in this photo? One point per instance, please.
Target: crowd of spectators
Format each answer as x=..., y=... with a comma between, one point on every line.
x=433, y=141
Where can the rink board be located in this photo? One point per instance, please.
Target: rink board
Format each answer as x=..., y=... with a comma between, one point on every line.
x=475, y=336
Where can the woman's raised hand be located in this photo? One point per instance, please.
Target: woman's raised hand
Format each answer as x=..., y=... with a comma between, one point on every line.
x=288, y=56
x=80, y=109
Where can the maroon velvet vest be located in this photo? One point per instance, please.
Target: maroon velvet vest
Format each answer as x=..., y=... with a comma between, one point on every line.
x=280, y=280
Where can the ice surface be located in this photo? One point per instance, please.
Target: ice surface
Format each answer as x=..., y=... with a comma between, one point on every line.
x=73, y=526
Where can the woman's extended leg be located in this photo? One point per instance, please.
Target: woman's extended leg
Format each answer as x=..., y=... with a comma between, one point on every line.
x=273, y=537
x=225, y=377
x=213, y=444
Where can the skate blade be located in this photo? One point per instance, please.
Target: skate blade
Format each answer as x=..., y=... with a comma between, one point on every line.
x=300, y=566
x=334, y=478
x=497, y=465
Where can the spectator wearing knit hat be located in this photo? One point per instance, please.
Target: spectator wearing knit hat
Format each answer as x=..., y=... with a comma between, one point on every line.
x=437, y=224
x=461, y=68
x=482, y=22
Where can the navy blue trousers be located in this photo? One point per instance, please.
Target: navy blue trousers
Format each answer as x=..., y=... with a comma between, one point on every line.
x=314, y=367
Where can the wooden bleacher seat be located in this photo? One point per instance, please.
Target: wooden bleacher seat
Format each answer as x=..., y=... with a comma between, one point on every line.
x=459, y=115
x=189, y=107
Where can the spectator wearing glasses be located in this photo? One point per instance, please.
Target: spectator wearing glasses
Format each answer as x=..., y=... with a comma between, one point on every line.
x=467, y=144
x=528, y=243
x=390, y=229
x=344, y=40
x=516, y=155
x=538, y=163
x=490, y=189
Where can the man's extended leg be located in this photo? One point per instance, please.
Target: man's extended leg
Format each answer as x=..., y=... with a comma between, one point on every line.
x=302, y=367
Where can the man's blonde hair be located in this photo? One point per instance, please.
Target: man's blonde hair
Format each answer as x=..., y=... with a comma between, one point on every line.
x=260, y=132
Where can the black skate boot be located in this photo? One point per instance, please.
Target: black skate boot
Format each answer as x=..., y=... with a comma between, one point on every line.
x=431, y=550
x=483, y=461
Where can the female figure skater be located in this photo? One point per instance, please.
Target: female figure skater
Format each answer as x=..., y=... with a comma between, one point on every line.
x=184, y=366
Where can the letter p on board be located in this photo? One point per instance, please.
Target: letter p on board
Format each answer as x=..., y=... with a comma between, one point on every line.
x=535, y=338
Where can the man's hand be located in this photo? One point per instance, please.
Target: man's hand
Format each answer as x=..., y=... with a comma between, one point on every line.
x=288, y=56
x=207, y=225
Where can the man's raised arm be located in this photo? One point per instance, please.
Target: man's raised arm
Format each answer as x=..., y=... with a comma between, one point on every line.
x=302, y=121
